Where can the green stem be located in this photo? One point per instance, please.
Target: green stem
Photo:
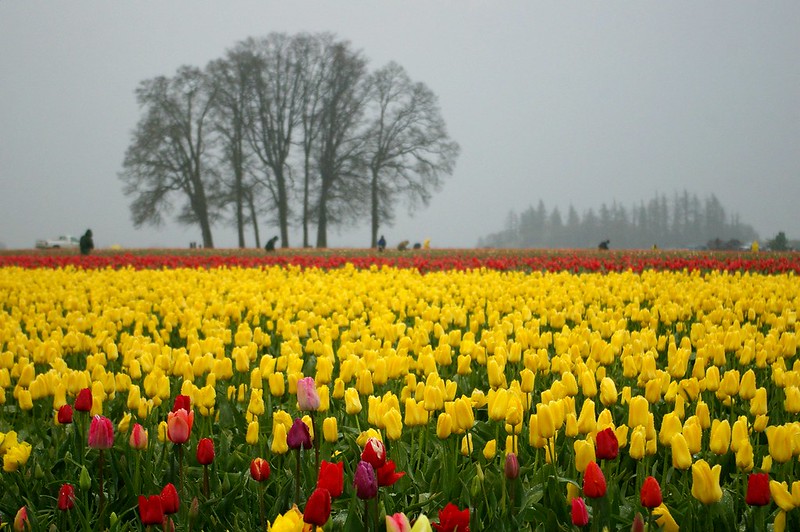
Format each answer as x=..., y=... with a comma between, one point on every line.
x=297, y=477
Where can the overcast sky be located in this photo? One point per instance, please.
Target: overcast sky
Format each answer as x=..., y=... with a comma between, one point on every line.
x=572, y=102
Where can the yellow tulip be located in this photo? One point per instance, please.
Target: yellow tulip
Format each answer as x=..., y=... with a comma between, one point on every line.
x=514, y=411
x=277, y=386
x=587, y=421
x=638, y=443
x=730, y=383
x=739, y=433
x=780, y=443
x=781, y=495
x=394, y=424
x=16, y=456
x=466, y=445
x=681, y=456
x=760, y=423
x=664, y=519
x=252, y=433
x=744, y=456
x=330, y=429
x=638, y=412
x=608, y=392
x=279, y=445
x=498, y=405
x=705, y=482
x=444, y=426
x=747, y=386
x=584, y=453
x=792, y=401
x=490, y=449
x=24, y=400
x=545, y=424
x=670, y=426
x=720, y=436
x=693, y=434
x=702, y=413
x=352, y=402
x=464, y=415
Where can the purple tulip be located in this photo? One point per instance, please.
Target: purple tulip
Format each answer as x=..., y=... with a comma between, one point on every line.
x=298, y=436
x=365, y=481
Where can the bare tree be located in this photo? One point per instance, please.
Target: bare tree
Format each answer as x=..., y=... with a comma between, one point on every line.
x=168, y=156
x=339, y=153
x=274, y=115
x=310, y=55
x=407, y=146
x=232, y=78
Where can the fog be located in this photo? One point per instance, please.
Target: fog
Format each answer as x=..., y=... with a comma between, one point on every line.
x=571, y=102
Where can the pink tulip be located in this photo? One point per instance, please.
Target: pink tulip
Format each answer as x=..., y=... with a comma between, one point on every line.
x=138, y=439
x=307, y=396
x=397, y=523
x=179, y=425
x=101, y=433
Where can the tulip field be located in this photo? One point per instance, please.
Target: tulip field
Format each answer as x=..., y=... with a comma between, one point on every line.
x=438, y=390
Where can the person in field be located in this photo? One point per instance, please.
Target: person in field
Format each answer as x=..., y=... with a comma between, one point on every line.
x=271, y=244
x=86, y=243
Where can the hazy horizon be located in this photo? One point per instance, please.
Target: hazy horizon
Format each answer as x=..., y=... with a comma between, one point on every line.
x=574, y=104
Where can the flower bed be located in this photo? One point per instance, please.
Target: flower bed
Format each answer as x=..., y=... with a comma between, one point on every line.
x=501, y=396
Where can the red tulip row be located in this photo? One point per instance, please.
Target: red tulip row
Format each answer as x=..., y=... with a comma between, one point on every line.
x=527, y=260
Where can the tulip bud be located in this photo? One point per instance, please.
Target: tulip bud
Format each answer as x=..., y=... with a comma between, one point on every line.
x=84, y=480
x=512, y=466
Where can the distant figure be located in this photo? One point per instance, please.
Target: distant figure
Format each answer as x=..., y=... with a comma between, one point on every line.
x=754, y=246
x=426, y=244
x=271, y=244
x=417, y=245
x=402, y=246
x=86, y=242
x=604, y=244
x=381, y=243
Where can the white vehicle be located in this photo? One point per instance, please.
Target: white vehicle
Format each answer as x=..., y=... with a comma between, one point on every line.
x=64, y=241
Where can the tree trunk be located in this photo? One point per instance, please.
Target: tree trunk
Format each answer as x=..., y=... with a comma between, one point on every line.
x=283, y=208
x=375, y=220
x=306, y=212
x=239, y=208
x=322, y=222
x=254, y=216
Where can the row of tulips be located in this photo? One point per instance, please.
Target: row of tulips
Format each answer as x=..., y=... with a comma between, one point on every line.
x=483, y=387
x=424, y=261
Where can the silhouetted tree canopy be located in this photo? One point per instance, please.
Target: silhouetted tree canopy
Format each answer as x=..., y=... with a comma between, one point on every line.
x=288, y=129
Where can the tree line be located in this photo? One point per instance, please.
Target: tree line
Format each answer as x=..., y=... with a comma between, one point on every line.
x=682, y=221
x=287, y=130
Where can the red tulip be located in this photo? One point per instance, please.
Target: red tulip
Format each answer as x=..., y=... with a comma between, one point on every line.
x=83, y=403
x=374, y=453
x=580, y=515
x=594, y=483
x=318, y=507
x=331, y=477
x=150, y=510
x=758, y=493
x=65, y=415
x=21, y=522
x=387, y=475
x=259, y=469
x=101, y=433
x=451, y=519
x=650, y=495
x=170, y=502
x=607, y=444
x=66, y=497
x=205, y=451
x=179, y=425
x=182, y=402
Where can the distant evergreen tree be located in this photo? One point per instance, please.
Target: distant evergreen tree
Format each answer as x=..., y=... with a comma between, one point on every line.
x=686, y=221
